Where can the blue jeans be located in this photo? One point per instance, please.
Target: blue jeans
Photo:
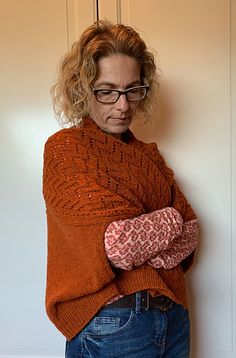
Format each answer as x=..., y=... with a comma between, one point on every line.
x=133, y=333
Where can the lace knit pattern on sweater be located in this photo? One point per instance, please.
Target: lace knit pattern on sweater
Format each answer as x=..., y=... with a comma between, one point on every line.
x=91, y=179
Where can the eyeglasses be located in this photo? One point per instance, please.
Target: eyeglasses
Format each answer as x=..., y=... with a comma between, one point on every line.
x=109, y=96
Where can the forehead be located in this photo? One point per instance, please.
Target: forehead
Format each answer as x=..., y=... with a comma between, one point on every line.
x=118, y=69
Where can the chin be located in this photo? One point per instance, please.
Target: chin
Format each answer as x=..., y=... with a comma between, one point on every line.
x=119, y=130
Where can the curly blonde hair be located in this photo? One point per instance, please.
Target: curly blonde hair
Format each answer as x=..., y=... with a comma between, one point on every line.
x=78, y=69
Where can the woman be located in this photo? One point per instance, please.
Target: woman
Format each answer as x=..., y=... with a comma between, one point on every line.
x=121, y=234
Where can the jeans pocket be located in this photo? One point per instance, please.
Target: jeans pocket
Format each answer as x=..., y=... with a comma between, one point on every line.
x=109, y=322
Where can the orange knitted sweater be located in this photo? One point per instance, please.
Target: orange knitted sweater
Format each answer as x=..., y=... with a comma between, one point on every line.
x=91, y=179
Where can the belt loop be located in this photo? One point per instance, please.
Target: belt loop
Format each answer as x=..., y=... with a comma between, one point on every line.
x=138, y=302
x=148, y=301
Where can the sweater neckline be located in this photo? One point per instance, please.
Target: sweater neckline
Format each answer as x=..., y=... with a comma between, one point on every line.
x=88, y=123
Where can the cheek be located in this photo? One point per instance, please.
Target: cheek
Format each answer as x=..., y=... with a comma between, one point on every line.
x=134, y=107
x=99, y=112
x=104, y=110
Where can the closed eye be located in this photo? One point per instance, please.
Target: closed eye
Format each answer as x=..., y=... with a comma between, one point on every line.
x=134, y=90
x=105, y=91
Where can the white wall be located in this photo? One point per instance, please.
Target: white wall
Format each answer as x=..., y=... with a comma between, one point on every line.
x=196, y=131
x=33, y=36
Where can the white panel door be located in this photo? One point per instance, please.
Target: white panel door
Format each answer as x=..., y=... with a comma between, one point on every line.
x=195, y=129
x=80, y=15
x=110, y=9
x=34, y=35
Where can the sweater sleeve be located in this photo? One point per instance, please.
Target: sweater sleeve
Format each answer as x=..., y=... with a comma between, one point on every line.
x=76, y=262
x=179, y=202
x=131, y=242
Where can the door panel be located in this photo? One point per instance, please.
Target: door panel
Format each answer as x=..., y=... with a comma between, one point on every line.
x=81, y=14
x=34, y=36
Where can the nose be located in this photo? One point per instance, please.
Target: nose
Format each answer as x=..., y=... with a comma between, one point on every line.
x=122, y=104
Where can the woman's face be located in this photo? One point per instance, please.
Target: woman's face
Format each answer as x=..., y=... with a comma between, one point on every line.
x=115, y=72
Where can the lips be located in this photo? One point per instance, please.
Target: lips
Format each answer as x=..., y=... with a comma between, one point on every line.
x=123, y=118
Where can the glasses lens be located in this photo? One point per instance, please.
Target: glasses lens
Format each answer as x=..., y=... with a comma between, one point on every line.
x=107, y=96
x=111, y=96
x=136, y=93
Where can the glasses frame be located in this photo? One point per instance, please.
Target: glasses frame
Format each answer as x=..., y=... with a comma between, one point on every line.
x=125, y=92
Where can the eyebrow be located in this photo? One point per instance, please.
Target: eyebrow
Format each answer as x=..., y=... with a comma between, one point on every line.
x=112, y=85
